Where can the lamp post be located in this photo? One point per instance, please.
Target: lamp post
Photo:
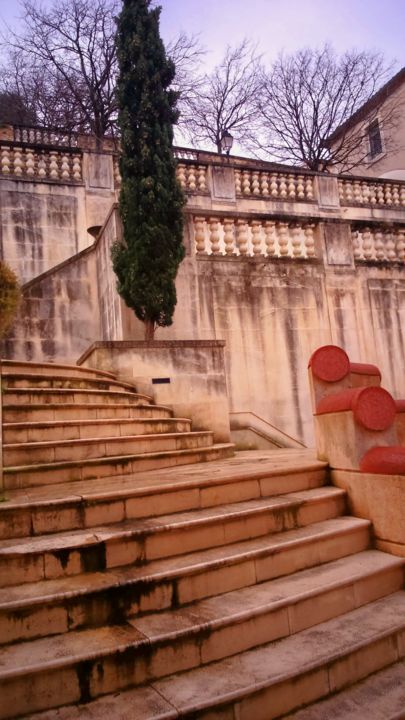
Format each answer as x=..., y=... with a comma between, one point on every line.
x=226, y=142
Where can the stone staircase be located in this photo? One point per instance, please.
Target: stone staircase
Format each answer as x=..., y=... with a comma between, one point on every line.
x=238, y=589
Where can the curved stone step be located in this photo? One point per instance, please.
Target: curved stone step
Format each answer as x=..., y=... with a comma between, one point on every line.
x=42, y=474
x=140, y=541
x=60, y=430
x=16, y=413
x=379, y=697
x=35, y=453
x=58, y=606
x=28, y=396
x=19, y=366
x=84, y=504
x=64, y=381
x=262, y=683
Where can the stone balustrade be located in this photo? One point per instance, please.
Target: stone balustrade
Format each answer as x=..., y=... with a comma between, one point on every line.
x=379, y=244
x=254, y=238
x=192, y=177
x=363, y=191
x=45, y=136
x=274, y=185
x=40, y=164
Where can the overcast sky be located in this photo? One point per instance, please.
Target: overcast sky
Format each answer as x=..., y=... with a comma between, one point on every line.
x=281, y=24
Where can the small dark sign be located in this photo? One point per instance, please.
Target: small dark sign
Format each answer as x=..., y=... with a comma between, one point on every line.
x=160, y=381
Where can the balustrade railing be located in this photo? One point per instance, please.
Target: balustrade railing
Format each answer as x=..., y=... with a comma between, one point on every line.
x=379, y=244
x=254, y=238
x=371, y=192
x=277, y=185
x=45, y=136
x=35, y=164
x=192, y=177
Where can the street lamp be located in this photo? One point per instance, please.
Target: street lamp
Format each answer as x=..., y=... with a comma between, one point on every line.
x=226, y=142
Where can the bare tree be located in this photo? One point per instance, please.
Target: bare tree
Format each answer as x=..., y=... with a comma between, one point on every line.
x=73, y=44
x=306, y=96
x=224, y=99
x=63, y=63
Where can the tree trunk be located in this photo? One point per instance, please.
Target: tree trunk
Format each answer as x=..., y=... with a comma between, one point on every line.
x=149, y=330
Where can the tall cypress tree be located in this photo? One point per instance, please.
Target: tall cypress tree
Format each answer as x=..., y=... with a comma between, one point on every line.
x=151, y=200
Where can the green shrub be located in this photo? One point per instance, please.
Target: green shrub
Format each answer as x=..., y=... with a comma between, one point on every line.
x=10, y=296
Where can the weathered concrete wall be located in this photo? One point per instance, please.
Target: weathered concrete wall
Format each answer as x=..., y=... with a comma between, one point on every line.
x=44, y=222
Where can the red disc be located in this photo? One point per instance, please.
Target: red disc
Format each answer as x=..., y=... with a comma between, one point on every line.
x=374, y=408
x=330, y=363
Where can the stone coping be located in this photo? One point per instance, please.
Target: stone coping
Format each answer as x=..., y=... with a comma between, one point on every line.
x=148, y=345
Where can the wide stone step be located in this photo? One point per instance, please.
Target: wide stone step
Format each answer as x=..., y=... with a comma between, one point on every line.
x=69, y=412
x=9, y=367
x=26, y=432
x=140, y=541
x=379, y=697
x=58, y=606
x=26, y=396
x=64, y=381
x=88, y=448
x=85, y=504
x=262, y=683
x=23, y=476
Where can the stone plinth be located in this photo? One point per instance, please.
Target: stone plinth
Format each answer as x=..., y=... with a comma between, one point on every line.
x=188, y=376
x=381, y=499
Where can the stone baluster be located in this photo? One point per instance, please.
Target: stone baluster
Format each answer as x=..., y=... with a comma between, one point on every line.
x=264, y=184
x=309, y=240
x=379, y=246
x=202, y=178
x=372, y=194
x=30, y=162
x=229, y=236
x=390, y=246
x=273, y=185
x=365, y=192
x=291, y=186
x=238, y=182
x=255, y=183
x=283, y=186
x=270, y=235
x=282, y=232
x=348, y=191
x=356, y=245
x=53, y=165
x=199, y=234
x=246, y=182
x=341, y=189
x=368, y=243
x=77, y=170
x=309, y=187
x=380, y=194
x=296, y=240
x=41, y=166
x=400, y=244
x=300, y=187
x=256, y=227
x=357, y=191
x=388, y=193
x=192, y=180
x=402, y=195
x=18, y=162
x=242, y=236
x=395, y=195
x=64, y=168
x=214, y=238
x=181, y=175
x=5, y=160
